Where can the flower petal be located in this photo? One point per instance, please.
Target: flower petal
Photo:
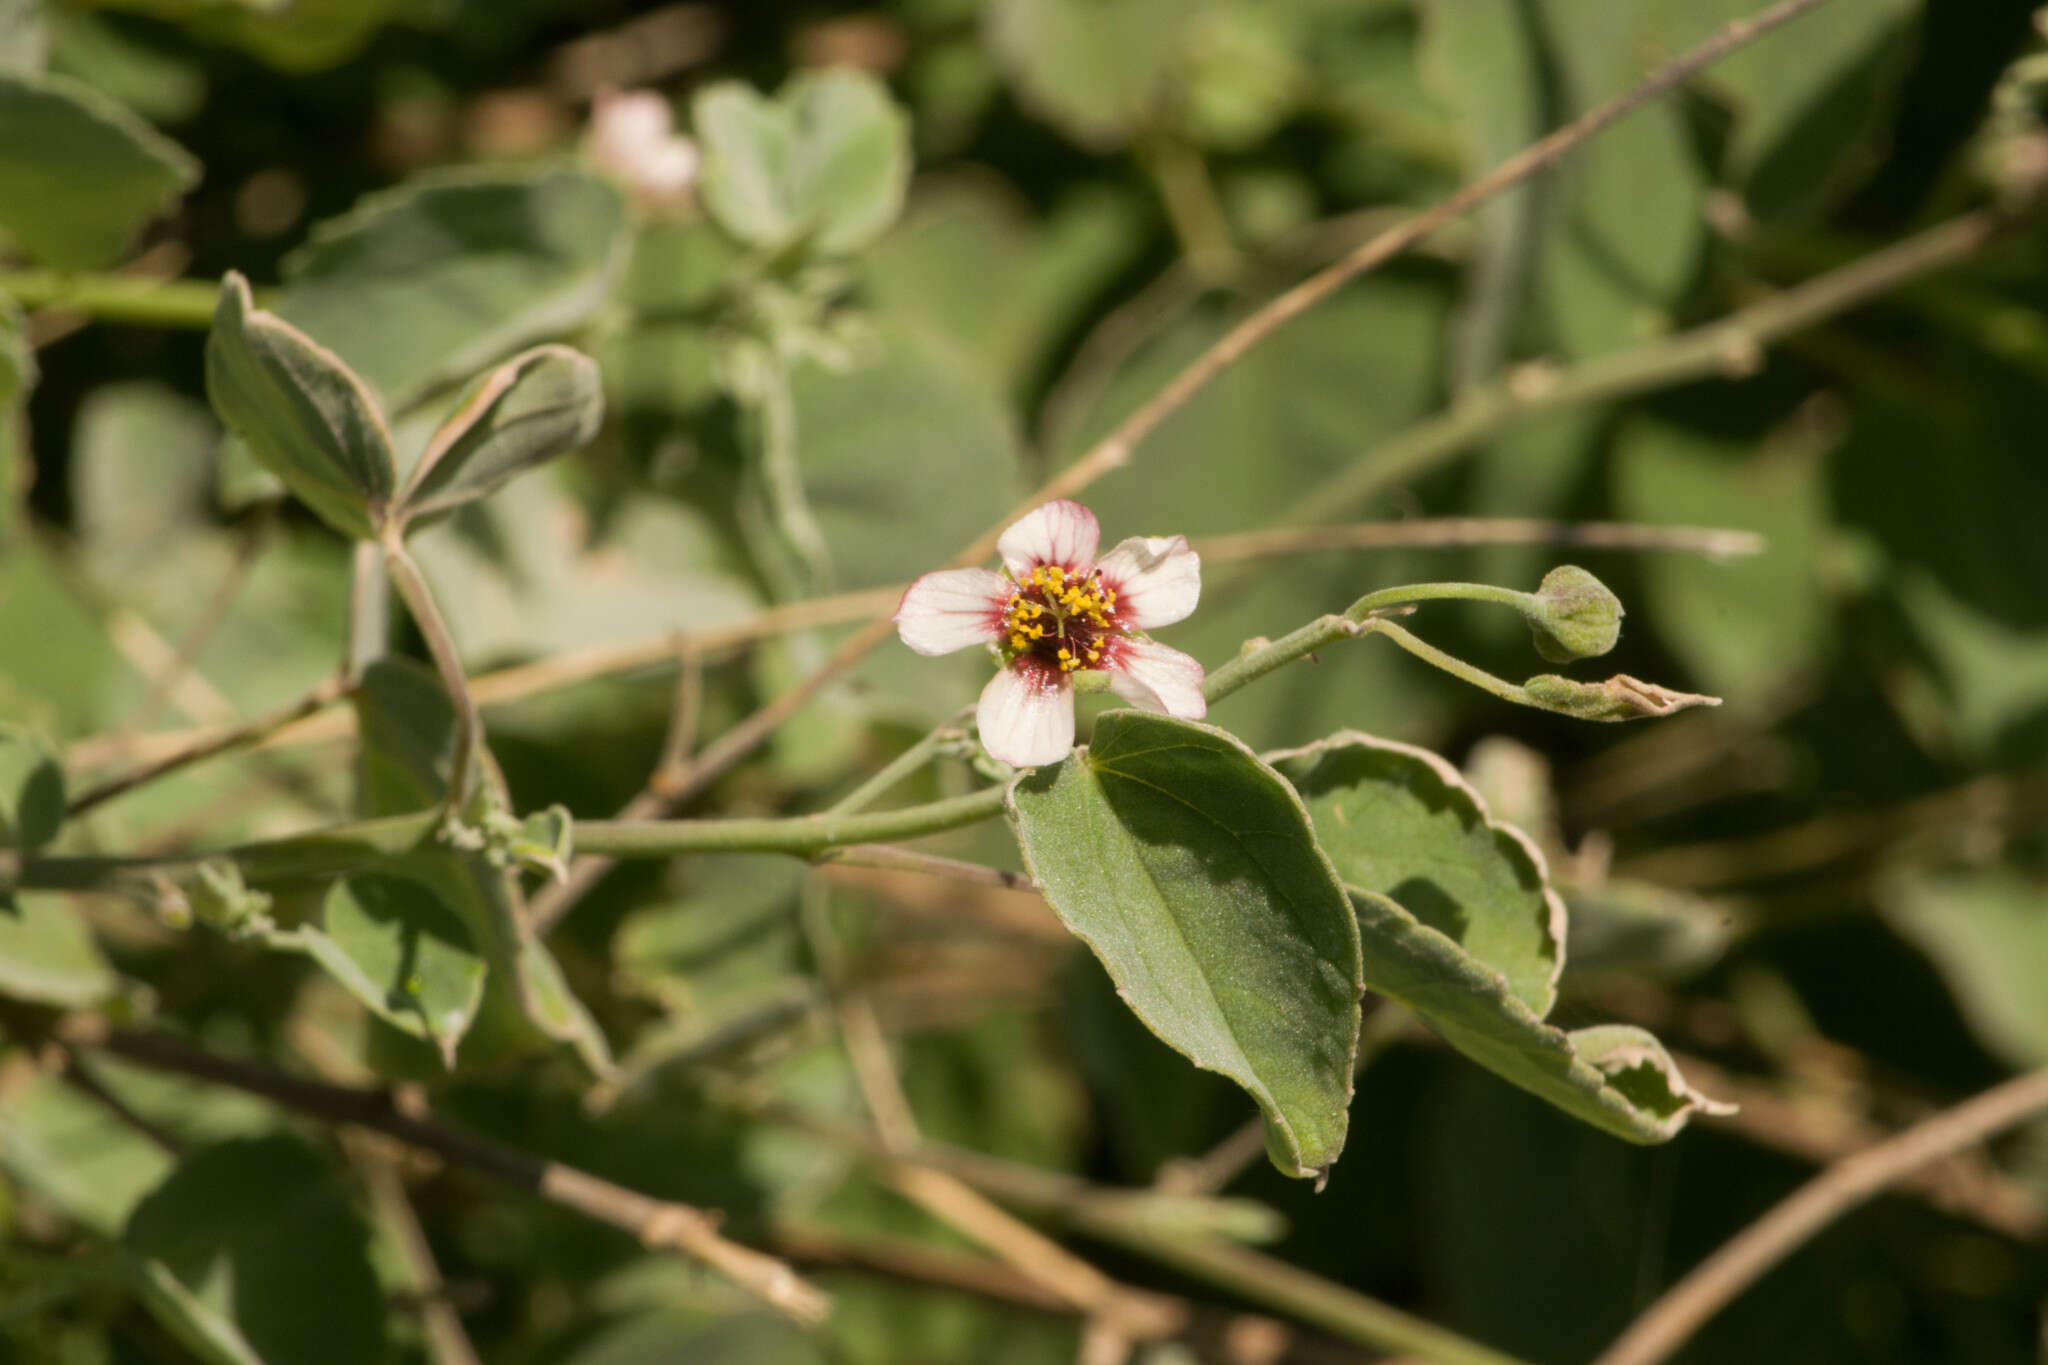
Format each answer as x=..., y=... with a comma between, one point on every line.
x=1026, y=715
x=1156, y=678
x=952, y=609
x=1062, y=533
x=1157, y=579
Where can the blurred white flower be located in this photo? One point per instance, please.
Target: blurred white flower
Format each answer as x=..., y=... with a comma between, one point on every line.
x=633, y=138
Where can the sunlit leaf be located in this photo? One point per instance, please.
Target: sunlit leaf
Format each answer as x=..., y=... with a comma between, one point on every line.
x=80, y=175
x=824, y=163
x=403, y=953
x=301, y=411
x=422, y=285
x=1400, y=821
x=1190, y=869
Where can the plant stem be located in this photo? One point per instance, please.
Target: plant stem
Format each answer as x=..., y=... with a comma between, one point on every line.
x=116, y=298
x=902, y=766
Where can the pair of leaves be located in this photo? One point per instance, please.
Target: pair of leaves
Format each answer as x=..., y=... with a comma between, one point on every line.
x=311, y=421
x=825, y=163
x=1241, y=917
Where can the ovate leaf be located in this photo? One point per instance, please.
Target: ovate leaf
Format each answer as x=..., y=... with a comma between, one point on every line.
x=80, y=175
x=1987, y=934
x=423, y=285
x=1400, y=821
x=1092, y=68
x=252, y=1252
x=302, y=412
x=31, y=790
x=527, y=411
x=1190, y=868
x=824, y=163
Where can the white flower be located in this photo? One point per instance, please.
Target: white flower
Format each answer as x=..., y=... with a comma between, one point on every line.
x=633, y=138
x=1056, y=609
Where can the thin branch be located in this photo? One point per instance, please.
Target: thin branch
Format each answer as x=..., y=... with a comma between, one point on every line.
x=447, y=1341
x=1683, y=1308
x=658, y=1224
x=1461, y=532
x=116, y=298
x=903, y=1259
x=242, y=736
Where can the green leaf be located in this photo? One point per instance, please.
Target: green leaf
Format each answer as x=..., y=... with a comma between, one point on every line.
x=74, y=1151
x=423, y=285
x=1986, y=932
x=251, y=1252
x=47, y=955
x=397, y=948
x=31, y=790
x=1189, y=868
x=1475, y=941
x=1400, y=821
x=1615, y=1077
x=1092, y=68
x=142, y=471
x=1750, y=626
x=532, y=408
x=825, y=163
x=80, y=175
x=303, y=413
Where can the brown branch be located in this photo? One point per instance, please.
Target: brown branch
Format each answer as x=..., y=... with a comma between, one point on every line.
x=207, y=745
x=1823, y=1130
x=658, y=1224
x=1683, y=1308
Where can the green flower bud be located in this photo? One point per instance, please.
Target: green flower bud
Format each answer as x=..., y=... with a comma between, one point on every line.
x=1573, y=615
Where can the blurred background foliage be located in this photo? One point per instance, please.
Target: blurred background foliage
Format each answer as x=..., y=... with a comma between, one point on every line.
x=1830, y=895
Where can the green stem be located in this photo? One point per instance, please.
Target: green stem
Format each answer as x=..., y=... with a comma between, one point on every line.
x=1453, y=665
x=116, y=298
x=469, y=721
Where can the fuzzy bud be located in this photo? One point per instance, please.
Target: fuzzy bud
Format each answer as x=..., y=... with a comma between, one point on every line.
x=1573, y=615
